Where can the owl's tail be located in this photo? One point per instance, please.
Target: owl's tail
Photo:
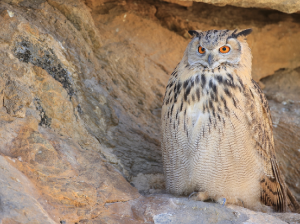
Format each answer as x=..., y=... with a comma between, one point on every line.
x=275, y=192
x=294, y=206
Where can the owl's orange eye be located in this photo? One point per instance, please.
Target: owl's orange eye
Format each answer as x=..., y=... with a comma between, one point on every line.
x=201, y=50
x=224, y=49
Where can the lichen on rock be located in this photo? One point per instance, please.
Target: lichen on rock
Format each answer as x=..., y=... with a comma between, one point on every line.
x=45, y=58
x=45, y=120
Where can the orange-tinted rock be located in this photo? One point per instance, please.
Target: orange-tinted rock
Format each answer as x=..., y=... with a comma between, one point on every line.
x=288, y=6
x=19, y=198
x=72, y=182
x=41, y=129
x=16, y=98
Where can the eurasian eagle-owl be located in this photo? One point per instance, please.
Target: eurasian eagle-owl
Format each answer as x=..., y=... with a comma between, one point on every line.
x=217, y=135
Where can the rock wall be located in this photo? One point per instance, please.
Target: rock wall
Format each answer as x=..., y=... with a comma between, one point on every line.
x=53, y=168
x=288, y=6
x=81, y=87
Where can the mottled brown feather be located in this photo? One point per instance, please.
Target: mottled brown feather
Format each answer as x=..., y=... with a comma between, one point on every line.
x=274, y=190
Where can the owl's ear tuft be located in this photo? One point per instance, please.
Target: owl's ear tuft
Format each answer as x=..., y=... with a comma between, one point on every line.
x=245, y=32
x=193, y=33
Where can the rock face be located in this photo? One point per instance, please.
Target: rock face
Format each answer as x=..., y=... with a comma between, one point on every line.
x=53, y=168
x=289, y=6
x=81, y=87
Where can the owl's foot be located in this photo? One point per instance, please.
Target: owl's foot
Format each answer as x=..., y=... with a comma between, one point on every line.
x=199, y=196
x=192, y=195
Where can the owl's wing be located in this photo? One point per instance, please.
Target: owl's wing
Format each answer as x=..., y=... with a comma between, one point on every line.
x=274, y=191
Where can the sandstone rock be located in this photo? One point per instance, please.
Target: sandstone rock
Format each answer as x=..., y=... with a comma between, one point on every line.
x=16, y=98
x=289, y=6
x=149, y=183
x=182, y=3
x=19, y=199
x=48, y=141
x=72, y=182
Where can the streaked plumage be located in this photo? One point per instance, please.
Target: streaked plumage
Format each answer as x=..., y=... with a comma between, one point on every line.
x=216, y=127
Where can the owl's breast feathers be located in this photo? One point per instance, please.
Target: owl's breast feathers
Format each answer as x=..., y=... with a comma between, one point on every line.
x=214, y=91
x=202, y=104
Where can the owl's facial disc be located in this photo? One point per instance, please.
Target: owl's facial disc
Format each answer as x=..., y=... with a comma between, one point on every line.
x=225, y=52
x=213, y=48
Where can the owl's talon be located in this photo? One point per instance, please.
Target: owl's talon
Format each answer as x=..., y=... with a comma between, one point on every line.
x=199, y=196
x=192, y=194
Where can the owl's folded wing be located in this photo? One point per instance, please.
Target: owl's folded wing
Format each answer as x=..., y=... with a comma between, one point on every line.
x=274, y=191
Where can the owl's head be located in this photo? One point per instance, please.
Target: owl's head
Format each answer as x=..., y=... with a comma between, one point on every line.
x=212, y=48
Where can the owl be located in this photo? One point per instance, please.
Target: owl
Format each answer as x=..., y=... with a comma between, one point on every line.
x=217, y=138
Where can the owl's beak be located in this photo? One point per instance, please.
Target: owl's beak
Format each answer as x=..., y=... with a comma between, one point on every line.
x=210, y=60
